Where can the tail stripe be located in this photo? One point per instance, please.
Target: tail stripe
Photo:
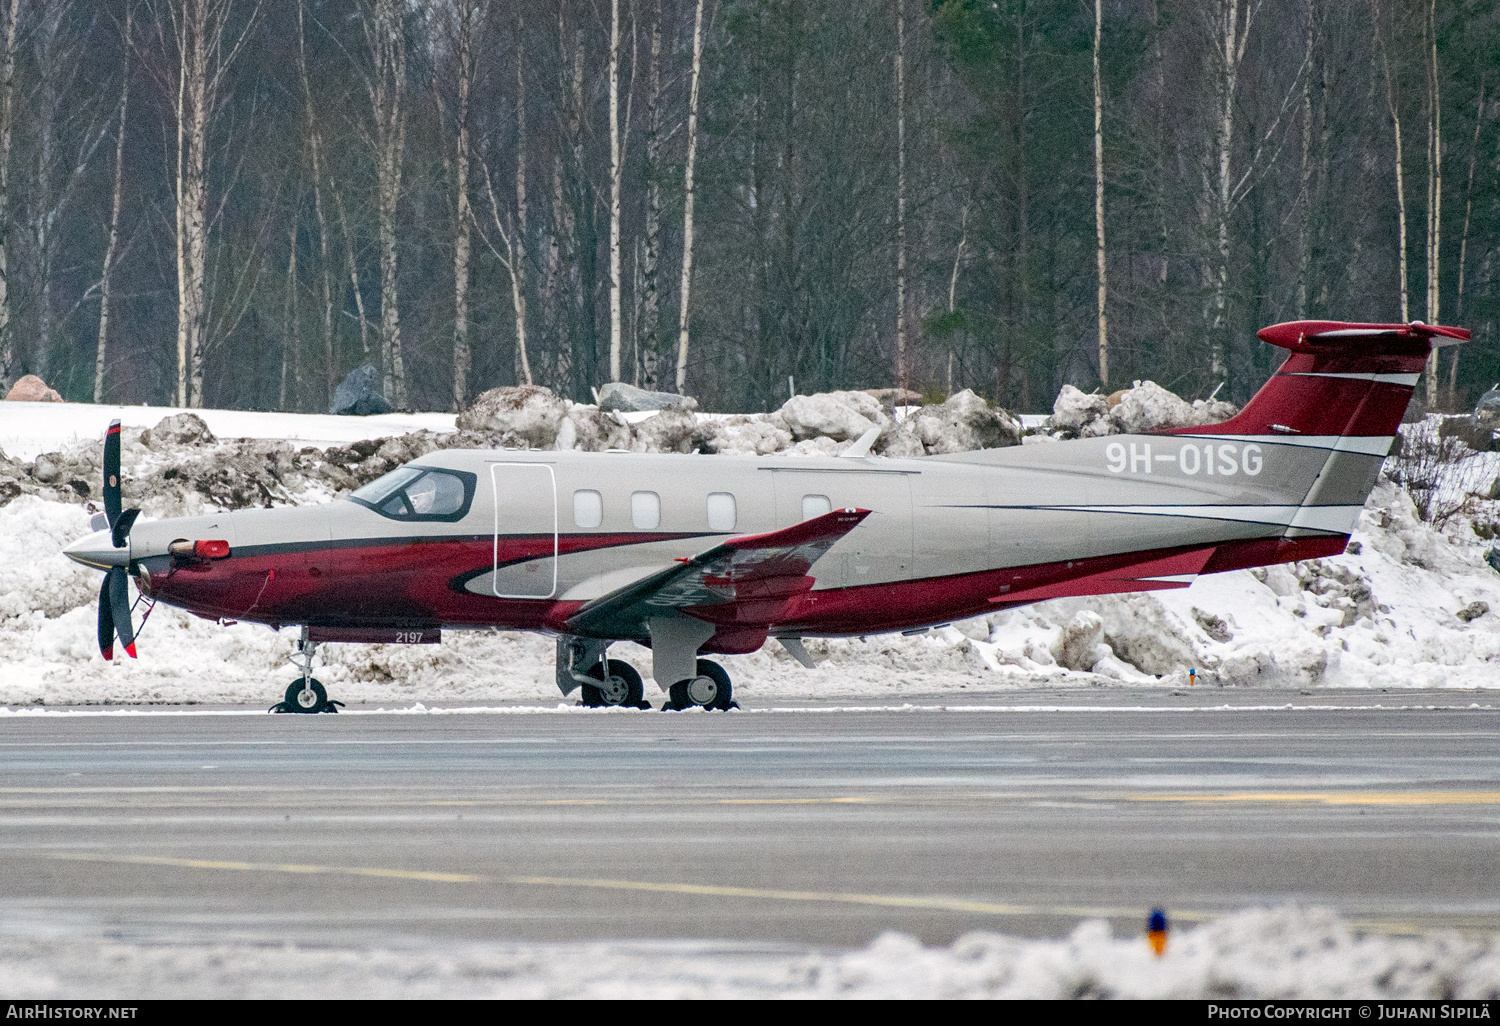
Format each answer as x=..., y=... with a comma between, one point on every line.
x=1389, y=379
x=1368, y=445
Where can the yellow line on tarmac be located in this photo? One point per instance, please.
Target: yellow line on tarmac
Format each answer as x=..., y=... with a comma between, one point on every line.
x=1335, y=797
x=652, y=801
x=936, y=903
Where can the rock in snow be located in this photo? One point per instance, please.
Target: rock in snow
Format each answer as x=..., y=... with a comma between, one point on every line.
x=618, y=396
x=360, y=394
x=31, y=389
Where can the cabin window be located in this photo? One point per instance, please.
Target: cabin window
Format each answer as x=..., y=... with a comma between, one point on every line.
x=645, y=510
x=721, y=511
x=815, y=506
x=588, y=508
x=419, y=493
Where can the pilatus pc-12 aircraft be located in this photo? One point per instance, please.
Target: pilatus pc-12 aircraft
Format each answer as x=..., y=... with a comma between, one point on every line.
x=695, y=555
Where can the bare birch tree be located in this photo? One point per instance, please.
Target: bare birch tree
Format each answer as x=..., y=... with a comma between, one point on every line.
x=1463, y=245
x=1434, y=189
x=100, y=354
x=1099, y=195
x=7, y=128
x=687, y=207
x=463, y=217
x=351, y=263
x=513, y=238
x=616, y=172
x=199, y=29
x=315, y=151
x=649, y=327
x=1395, y=111
x=902, y=370
x=385, y=34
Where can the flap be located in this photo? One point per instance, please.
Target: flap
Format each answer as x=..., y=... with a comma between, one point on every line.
x=759, y=572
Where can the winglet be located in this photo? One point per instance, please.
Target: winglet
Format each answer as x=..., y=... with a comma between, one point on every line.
x=861, y=446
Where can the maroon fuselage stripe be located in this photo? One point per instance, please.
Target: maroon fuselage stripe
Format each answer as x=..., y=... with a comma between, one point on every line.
x=412, y=585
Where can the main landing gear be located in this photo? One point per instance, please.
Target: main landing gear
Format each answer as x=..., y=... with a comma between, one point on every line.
x=602, y=683
x=711, y=689
x=305, y=695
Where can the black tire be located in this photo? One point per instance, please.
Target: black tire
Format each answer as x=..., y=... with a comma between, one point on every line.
x=630, y=696
x=293, y=702
x=680, y=697
x=724, y=699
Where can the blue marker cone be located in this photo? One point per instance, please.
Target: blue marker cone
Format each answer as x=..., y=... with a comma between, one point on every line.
x=1156, y=931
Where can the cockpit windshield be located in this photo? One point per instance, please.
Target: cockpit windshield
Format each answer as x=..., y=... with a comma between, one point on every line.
x=419, y=493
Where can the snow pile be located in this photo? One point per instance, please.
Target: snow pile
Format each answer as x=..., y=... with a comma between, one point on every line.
x=1283, y=953
x=824, y=424
x=1410, y=603
x=1145, y=407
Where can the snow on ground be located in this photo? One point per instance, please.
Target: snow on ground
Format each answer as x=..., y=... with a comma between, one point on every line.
x=1277, y=953
x=29, y=429
x=1409, y=605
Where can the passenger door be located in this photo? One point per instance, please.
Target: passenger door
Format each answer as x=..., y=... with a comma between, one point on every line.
x=525, y=530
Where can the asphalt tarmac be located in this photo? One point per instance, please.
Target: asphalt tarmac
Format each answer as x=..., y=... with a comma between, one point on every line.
x=815, y=825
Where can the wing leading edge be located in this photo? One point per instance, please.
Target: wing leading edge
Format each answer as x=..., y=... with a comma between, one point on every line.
x=747, y=580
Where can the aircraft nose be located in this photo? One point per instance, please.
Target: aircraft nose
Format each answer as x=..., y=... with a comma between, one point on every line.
x=98, y=551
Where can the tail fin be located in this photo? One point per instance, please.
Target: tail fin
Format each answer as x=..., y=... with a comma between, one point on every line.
x=1344, y=388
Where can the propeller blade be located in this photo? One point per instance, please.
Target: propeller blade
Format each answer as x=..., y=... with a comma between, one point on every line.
x=112, y=473
x=120, y=533
x=119, y=602
x=106, y=621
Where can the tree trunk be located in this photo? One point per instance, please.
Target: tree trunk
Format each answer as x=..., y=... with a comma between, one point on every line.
x=1304, y=212
x=315, y=146
x=1434, y=192
x=1229, y=45
x=902, y=370
x=615, y=182
x=462, y=215
x=687, y=208
x=1099, y=197
x=352, y=261
x=290, y=340
x=518, y=258
x=1463, y=245
x=192, y=197
x=387, y=39
x=1395, y=111
x=7, y=124
x=649, y=326
x=114, y=211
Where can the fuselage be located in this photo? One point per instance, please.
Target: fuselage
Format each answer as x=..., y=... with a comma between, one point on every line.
x=523, y=539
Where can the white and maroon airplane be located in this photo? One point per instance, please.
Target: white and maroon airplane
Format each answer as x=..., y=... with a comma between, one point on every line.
x=695, y=555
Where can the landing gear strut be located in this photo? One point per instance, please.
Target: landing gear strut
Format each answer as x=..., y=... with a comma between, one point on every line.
x=711, y=689
x=305, y=695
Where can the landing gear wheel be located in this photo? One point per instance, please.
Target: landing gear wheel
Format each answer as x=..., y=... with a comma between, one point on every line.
x=309, y=699
x=711, y=689
x=622, y=687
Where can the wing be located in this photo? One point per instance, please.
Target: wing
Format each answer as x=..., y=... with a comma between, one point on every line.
x=748, y=580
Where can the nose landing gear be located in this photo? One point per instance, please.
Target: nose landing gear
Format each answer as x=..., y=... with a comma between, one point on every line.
x=711, y=689
x=305, y=695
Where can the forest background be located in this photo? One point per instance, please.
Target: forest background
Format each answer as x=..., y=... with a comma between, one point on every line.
x=233, y=203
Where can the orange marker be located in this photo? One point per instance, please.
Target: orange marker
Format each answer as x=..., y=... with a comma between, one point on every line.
x=1156, y=932
x=1192, y=677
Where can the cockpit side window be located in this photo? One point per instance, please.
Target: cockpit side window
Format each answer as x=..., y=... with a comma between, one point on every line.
x=419, y=493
